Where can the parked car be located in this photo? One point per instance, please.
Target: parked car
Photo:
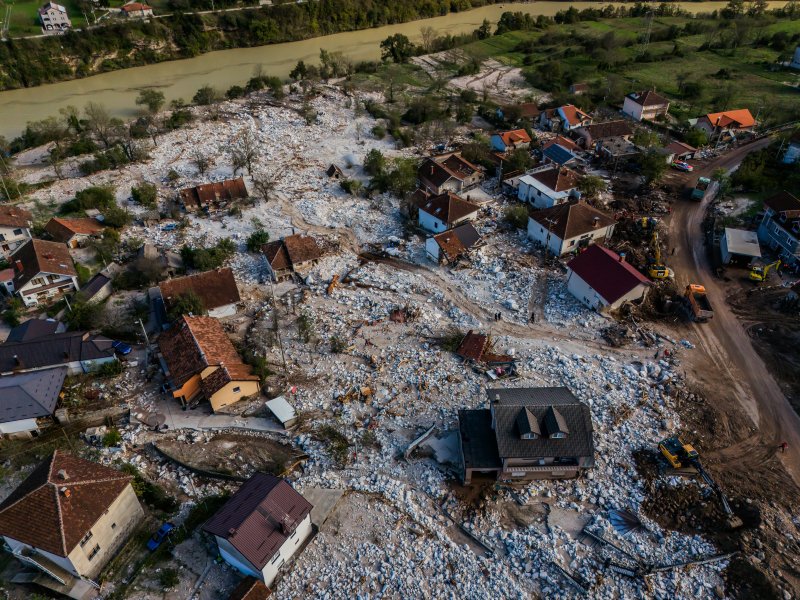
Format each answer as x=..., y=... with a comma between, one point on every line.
x=159, y=536
x=121, y=348
x=169, y=227
x=682, y=166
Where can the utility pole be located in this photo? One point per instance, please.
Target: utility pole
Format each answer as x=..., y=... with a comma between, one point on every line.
x=146, y=342
x=277, y=330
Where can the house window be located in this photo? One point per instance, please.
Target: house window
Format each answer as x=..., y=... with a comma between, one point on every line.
x=276, y=557
x=572, y=243
x=236, y=390
x=94, y=552
x=18, y=232
x=86, y=538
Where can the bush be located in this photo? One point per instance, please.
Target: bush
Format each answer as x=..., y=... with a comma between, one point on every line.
x=116, y=216
x=351, y=186
x=517, y=216
x=206, y=95
x=235, y=91
x=13, y=311
x=336, y=442
x=111, y=368
x=96, y=197
x=150, y=493
x=178, y=119
x=451, y=340
x=112, y=438
x=146, y=195
x=338, y=344
x=374, y=162
x=257, y=239
x=168, y=578
x=83, y=315
x=185, y=304
x=205, y=259
x=379, y=131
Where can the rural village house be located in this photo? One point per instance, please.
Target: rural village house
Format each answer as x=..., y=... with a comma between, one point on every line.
x=739, y=246
x=54, y=18
x=35, y=328
x=449, y=172
x=560, y=151
x=291, y=254
x=568, y=227
x=547, y=186
x=447, y=247
x=216, y=289
x=74, y=232
x=43, y=270
x=201, y=362
x=26, y=397
x=136, y=10
x=593, y=137
x=15, y=225
x=526, y=434
x=79, y=351
x=645, y=105
x=213, y=196
x=679, y=151
x=441, y=212
x=261, y=527
x=506, y=141
x=792, y=153
x=564, y=118
x=780, y=227
x=729, y=123
x=602, y=280
x=68, y=519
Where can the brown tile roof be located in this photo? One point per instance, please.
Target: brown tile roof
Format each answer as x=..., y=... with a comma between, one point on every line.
x=14, y=216
x=478, y=347
x=528, y=110
x=605, y=273
x=677, y=147
x=40, y=514
x=193, y=344
x=63, y=230
x=435, y=173
x=259, y=517
x=250, y=588
x=558, y=179
x=573, y=114
x=572, y=219
x=215, y=288
x=784, y=202
x=648, y=98
x=448, y=207
x=41, y=256
x=457, y=241
x=459, y=166
x=209, y=193
x=600, y=131
x=291, y=251
x=135, y=6
x=515, y=136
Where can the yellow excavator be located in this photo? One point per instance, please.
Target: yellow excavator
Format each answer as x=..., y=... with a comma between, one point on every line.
x=759, y=273
x=657, y=269
x=683, y=456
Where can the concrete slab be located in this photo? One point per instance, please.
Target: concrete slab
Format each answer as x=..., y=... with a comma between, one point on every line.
x=323, y=500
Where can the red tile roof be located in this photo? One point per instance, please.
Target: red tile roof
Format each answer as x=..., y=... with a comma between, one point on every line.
x=558, y=179
x=448, y=207
x=14, y=216
x=740, y=118
x=41, y=256
x=135, y=6
x=605, y=273
x=40, y=514
x=677, y=147
x=563, y=142
x=573, y=114
x=63, y=230
x=210, y=193
x=215, y=288
x=259, y=517
x=250, y=588
x=457, y=241
x=515, y=136
x=570, y=220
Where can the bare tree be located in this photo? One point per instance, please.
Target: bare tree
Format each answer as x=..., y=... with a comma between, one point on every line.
x=200, y=162
x=265, y=182
x=244, y=150
x=428, y=36
x=100, y=123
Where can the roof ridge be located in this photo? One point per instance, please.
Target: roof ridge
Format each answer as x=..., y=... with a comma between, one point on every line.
x=58, y=504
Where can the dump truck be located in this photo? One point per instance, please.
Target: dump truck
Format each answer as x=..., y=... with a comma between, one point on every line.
x=697, y=303
x=703, y=189
x=682, y=456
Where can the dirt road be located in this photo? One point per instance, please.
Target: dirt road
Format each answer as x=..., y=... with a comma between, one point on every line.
x=731, y=355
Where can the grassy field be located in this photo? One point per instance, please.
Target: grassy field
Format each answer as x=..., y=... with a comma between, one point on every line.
x=752, y=80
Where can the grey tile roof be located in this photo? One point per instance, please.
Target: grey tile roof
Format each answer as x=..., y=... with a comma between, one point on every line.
x=33, y=329
x=575, y=417
x=30, y=395
x=54, y=350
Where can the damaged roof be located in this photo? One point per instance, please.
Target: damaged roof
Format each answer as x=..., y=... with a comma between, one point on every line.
x=259, y=517
x=479, y=348
x=14, y=216
x=215, y=288
x=291, y=251
x=515, y=136
x=571, y=219
x=606, y=273
x=39, y=514
x=448, y=207
x=457, y=241
x=63, y=230
x=609, y=129
x=208, y=193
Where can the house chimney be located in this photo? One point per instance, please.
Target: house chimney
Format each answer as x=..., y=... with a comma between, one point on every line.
x=17, y=361
x=621, y=257
x=62, y=474
x=595, y=222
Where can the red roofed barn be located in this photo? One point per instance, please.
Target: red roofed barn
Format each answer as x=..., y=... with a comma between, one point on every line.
x=261, y=527
x=602, y=280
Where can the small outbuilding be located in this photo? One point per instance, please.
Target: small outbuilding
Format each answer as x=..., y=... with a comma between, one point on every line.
x=739, y=246
x=283, y=411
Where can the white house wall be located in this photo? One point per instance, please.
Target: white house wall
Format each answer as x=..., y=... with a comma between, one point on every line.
x=18, y=426
x=234, y=558
x=223, y=311
x=61, y=561
x=590, y=298
x=632, y=109
x=432, y=249
x=12, y=240
x=431, y=223
x=289, y=549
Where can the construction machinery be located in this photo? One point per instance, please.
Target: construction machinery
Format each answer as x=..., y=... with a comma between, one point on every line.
x=683, y=456
x=703, y=189
x=759, y=273
x=697, y=304
x=657, y=269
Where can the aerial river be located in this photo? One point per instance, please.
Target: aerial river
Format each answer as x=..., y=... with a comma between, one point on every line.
x=181, y=78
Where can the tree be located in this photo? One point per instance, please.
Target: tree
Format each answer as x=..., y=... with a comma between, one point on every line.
x=644, y=138
x=107, y=247
x=351, y=186
x=428, y=35
x=100, y=123
x=243, y=150
x=517, y=216
x=403, y=177
x=397, y=47
x=116, y=216
x=187, y=303
x=200, y=162
x=145, y=194
x=83, y=315
x=265, y=182
x=696, y=137
x=153, y=100
x=374, y=162
x=518, y=160
x=299, y=72
x=257, y=239
x=484, y=31
x=95, y=197
x=591, y=185
x=206, y=95
x=653, y=165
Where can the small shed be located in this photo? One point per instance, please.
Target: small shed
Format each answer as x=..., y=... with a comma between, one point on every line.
x=283, y=411
x=739, y=246
x=334, y=172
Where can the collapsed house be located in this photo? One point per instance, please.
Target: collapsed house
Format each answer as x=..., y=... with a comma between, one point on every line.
x=478, y=349
x=216, y=290
x=526, y=434
x=450, y=246
x=213, y=196
x=291, y=254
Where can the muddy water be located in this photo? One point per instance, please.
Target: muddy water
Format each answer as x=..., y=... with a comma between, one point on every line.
x=180, y=79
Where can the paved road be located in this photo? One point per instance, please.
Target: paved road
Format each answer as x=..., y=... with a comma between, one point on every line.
x=725, y=341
